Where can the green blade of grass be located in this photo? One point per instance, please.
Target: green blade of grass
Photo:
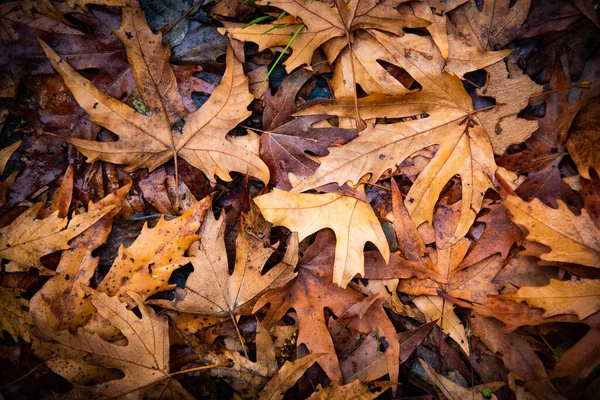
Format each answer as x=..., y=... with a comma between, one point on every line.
x=256, y=21
x=277, y=26
x=281, y=54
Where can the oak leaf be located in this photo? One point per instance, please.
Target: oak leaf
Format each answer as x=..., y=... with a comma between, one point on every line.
x=352, y=220
x=144, y=361
x=571, y=238
x=148, y=141
x=13, y=307
x=210, y=289
x=561, y=297
x=146, y=265
x=27, y=239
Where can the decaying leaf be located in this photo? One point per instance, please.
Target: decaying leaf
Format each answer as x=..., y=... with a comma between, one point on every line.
x=454, y=391
x=144, y=361
x=356, y=390
x=287, y=377
x=14, y=308
x=571, y=238
x=59, y=303
x=148, y=141
x=581, y=297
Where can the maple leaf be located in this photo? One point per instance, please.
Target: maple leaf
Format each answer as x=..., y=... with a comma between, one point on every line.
x=13, y=307
x=450, y=122
x=211, y=290
x=335, y=21
x=148, y=141
x=59, y=304
x=146, y=265
x=144, y=361
x=310, y=293
x=561, y=297
x=287, y=141
x=352, y=220
x=27, y=239
x=571, y=238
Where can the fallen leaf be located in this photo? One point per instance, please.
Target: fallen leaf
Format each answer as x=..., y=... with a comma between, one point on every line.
x=5, y=154
x=502, y=123
x=517, y=353
x=431, y=307
x=287, y=377
x=583, y=140
x=355, y=390
x=352, y=220
x=441, y=114
x=144, y=361
x=210, y=289
x=454, y=391
x=571, y=238
x=27, y=239
x=146, y=265
x=337, y=22
x=14, y=308
x=580, y=297
x=59, y=304
x=147, y=141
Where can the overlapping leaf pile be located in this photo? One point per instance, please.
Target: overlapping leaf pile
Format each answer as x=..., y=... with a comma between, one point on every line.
x=180, y=231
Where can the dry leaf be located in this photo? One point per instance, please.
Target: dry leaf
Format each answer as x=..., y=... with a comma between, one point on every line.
x=144, y=361
x=502, y=124
x=148, y=141
x=580, y=297
x=571, y=238
x=59, y=304
x=14, y=308
x=440, y=114
x=355, y=390
x=211, y=290
x=352, y=220
x=146, y=265
x=5, y=154
x=27, y=239
x=454, y=391
x=431, y=307
x=287, y=377
x=337, y=22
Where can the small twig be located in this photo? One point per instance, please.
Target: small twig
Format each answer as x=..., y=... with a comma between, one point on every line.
x=167, y=28
x=581, y=85
x=237, y=329
x=361, y=182
x=185, y=371
x=26, y=375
